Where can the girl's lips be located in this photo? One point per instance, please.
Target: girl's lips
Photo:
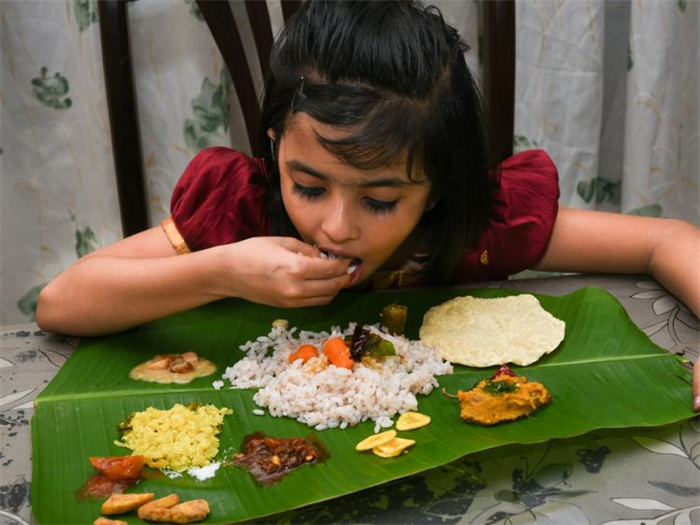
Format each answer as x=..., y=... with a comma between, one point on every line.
x=354, y=269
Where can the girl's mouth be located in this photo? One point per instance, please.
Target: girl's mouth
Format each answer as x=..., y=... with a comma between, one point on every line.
x=355, y=264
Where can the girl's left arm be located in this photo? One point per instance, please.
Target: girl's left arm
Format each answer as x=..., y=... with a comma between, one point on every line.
x=598, y=242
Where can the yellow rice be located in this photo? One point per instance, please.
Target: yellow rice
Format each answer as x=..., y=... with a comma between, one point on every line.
x=176, y=439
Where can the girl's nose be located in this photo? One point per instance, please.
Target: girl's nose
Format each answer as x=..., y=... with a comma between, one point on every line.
x=339, y=224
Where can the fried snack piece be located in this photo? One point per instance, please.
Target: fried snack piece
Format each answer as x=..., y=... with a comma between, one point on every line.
x=167, y=510
x=121, y=503
x=503, y=397
x=393, y=448
x=160, y=503
x=106, y=521
x=411, y=421
x=375, y=440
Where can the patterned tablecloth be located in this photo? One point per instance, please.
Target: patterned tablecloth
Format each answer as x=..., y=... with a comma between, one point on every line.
x=635, y=476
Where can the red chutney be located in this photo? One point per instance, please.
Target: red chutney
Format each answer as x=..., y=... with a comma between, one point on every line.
x=116, y=474
x=269, y=459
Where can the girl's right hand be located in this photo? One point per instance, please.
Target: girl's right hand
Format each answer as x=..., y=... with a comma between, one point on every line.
x=281, y=271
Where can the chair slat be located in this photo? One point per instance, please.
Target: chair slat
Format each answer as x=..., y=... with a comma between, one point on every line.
x=289, y=7
x=499, y=74
x=123, y=115
x=259, y=19
x=222, y=24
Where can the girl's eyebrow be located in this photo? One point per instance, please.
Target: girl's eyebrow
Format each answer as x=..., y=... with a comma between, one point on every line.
x=390, y=181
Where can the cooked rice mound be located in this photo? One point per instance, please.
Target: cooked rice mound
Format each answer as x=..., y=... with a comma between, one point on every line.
x=175, y=439
x=324, y=396
x=485, y=332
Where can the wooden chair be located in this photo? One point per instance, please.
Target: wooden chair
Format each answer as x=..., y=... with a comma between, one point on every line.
x=499, y=84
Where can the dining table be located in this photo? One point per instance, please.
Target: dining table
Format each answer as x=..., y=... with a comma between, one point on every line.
x=648, y=475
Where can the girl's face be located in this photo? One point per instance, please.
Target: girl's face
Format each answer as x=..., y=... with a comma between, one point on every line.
x=363, y=215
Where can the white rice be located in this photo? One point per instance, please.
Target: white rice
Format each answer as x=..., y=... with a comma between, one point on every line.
x=324, y=396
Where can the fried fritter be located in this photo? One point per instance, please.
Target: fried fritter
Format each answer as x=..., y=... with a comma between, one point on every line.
x=161, y=503
x=106, y=521
x=121, y=503
x=503, y=397
x=167, y=510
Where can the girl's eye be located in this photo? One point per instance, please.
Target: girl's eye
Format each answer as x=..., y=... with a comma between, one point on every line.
x=373, y=205
x=308, y=192
x=380, y=207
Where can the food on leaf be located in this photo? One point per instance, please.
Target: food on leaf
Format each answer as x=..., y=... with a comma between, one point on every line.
x=167, y=509
x=305, y=352
x=161, y=503
x=119, y=467
x=280, y=323
x=393, y=448
x=116, y=474
x=177, y=439
x=173, y=368
x=394, y=318
x=106, y=521
x=364, y=342
x=323, y=396
x=411, y=421
x=375, y=440
x=503, y=397
x=121, y=503
x=167, y=512
x=337, y=352
x=269, y=459
x=485, y=332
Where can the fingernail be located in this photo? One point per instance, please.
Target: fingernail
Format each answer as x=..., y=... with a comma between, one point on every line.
x=696, y=403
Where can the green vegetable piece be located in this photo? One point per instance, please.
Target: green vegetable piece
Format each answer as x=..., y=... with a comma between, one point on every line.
x=394, y=318
x=376, y=346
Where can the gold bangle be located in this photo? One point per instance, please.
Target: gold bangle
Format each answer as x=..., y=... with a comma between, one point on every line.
x=173, y=235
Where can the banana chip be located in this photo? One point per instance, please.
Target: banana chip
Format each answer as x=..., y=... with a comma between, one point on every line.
x=375, y=440
x=411, y=421
x=393, y=448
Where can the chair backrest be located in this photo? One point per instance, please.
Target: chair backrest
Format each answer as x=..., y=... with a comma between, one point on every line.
x=498, y=83
x=222, y=24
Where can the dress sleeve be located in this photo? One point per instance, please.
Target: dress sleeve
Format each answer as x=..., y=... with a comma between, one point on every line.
x=219, y=199
x=522, y=216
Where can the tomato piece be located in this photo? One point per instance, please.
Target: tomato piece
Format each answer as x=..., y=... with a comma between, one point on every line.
x=119, y=467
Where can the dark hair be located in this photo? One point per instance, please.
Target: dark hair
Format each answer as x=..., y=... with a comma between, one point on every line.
x=394, y=73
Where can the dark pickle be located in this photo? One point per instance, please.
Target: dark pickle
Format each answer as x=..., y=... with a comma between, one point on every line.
x=269, y=459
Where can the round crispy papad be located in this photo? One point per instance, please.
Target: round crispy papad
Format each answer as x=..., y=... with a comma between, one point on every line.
x=485, y=332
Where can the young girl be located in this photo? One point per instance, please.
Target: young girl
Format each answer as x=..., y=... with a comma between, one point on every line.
x=377, y=176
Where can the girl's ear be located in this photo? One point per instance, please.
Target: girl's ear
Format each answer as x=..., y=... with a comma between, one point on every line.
x=271, y=133
x=432, y=201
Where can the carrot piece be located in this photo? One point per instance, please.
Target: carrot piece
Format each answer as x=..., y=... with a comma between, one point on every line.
x=304, y=352
x=338, y=353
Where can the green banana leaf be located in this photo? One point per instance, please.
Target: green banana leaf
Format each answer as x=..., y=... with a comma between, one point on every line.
x=606, y=374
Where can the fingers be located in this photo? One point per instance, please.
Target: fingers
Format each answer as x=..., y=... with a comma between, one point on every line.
x=314, y=266
x=696, y=385
x=318, y=268
x=297, y=246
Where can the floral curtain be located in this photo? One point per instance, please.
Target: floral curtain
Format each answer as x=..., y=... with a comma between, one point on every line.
x=609, y=89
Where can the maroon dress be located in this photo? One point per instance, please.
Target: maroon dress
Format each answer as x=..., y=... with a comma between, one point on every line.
x=222, y=198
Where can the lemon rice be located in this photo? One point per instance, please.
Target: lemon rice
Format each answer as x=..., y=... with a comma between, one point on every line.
x=176, y=439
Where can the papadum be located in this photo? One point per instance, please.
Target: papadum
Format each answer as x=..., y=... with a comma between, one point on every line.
x=485, y=332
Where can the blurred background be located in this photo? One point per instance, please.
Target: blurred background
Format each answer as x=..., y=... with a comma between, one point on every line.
x=608, y=88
